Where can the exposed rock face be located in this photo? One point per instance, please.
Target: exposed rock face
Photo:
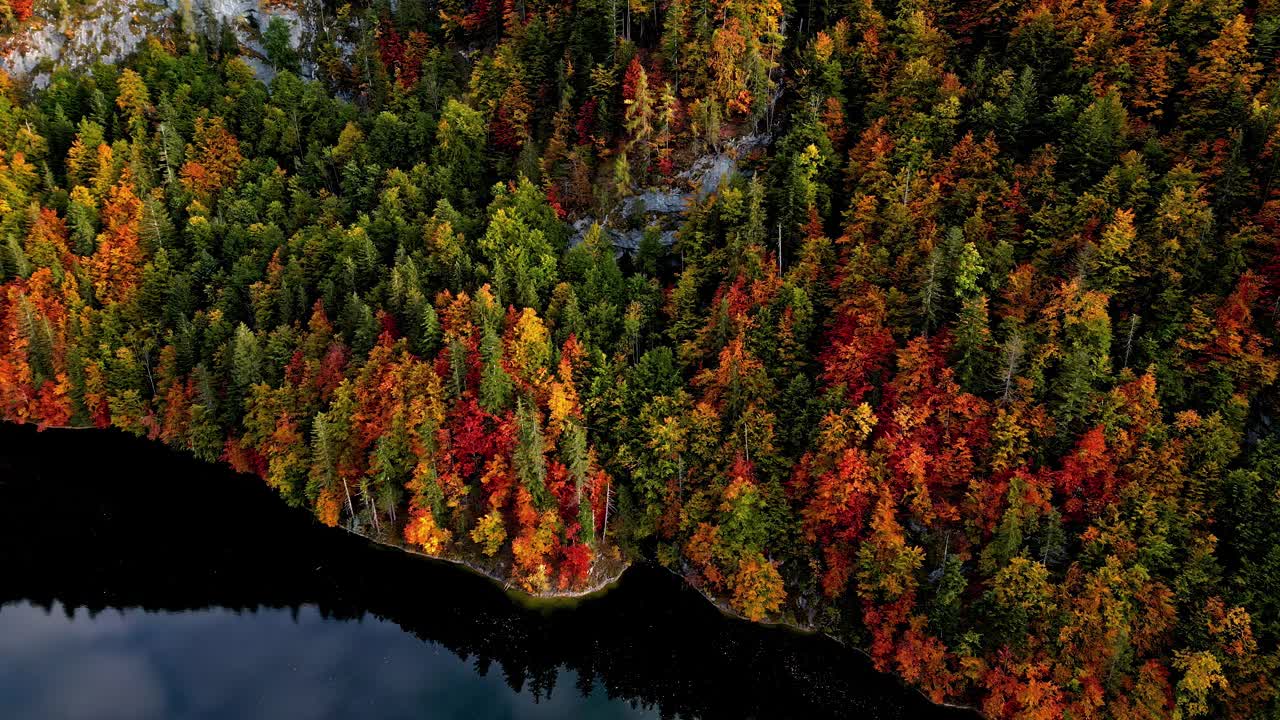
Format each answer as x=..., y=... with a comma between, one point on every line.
x=249, y=18
x=105, y=30
x=108, y=30
x=664, y=208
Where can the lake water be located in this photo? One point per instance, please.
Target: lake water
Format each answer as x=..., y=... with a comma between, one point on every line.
x=139, y=583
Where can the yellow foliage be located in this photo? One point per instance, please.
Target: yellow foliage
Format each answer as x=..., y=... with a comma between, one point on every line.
x=757, y=588
x=425, y=533
x=531, y=351
x=1201, y=674
x=531, y=550
x=490, y=533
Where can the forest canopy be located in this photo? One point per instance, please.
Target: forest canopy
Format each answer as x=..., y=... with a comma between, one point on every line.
x=958, y=344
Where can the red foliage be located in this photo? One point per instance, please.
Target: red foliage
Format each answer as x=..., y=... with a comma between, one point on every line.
x=506, y=136
x=1021, y=690
x=922, y=660
x=390, y=47
x=243, y=459
x=575, y=564
x=389, y=332
x=860, y=346
x=475, y=436
x=177, y=413
x=630, y=78
x=553, y=199
x=482, y=13
x=22, y=9
x=586, y=123
x=1087, y=480
x=836, y=515
x=402, y=57
x=332, y=369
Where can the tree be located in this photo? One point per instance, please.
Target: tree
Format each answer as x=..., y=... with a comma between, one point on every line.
x=757, y=588
x=530, y=460
x=886, y=564
x=972, y=334
x=277, y=41
x=1100, y=133
x=213, y=159
x=457, y=159
x=496, y=388
x=246, y=359
x=639, y=102
x=1083, y=347
x=1201, y=674
x=1023, y=598
x=116, y=265
x=489, y=532
x=860, y=346
x=1221, y=84
x=134, y=100
x=521, y=260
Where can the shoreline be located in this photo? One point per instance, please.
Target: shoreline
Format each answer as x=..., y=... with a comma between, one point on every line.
x=803, y=630
x=604, y=584
x=571, y=597
x=601, y=585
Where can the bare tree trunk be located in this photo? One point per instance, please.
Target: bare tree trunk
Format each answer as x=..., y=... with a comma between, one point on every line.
x=146, y=363
x=779, y=248
x=1013, y=348
x=1128, y=342
x=351, y=508
x=164, y=150
x=608, y=499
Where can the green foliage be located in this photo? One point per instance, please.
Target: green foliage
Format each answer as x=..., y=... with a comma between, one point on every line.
x=970, y=360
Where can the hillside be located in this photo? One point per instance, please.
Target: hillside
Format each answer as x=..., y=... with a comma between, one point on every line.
x=947, y=329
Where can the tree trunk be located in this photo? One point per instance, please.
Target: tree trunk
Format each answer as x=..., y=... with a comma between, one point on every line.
x=608, y=498
x=351, y=508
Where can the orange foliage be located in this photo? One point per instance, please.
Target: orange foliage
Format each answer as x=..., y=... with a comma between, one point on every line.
x=757, y=588
x=214, y=159
x=922, y=660
x=329, y=506
x=699, y=550
x=116, y=267
x=22, y=9
x=422, y=530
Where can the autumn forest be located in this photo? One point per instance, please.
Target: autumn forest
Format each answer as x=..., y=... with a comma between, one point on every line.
x=945, y=327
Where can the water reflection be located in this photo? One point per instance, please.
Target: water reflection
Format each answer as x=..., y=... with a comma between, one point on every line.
x=267, y=664
x=264, y=614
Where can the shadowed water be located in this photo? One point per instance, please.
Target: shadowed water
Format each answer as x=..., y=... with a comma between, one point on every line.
x=139, y=583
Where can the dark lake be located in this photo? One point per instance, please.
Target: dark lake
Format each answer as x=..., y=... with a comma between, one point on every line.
x=136, y=582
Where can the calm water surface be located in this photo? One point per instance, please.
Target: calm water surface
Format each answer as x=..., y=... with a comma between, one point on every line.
x=269, y=663
x=138, y=583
